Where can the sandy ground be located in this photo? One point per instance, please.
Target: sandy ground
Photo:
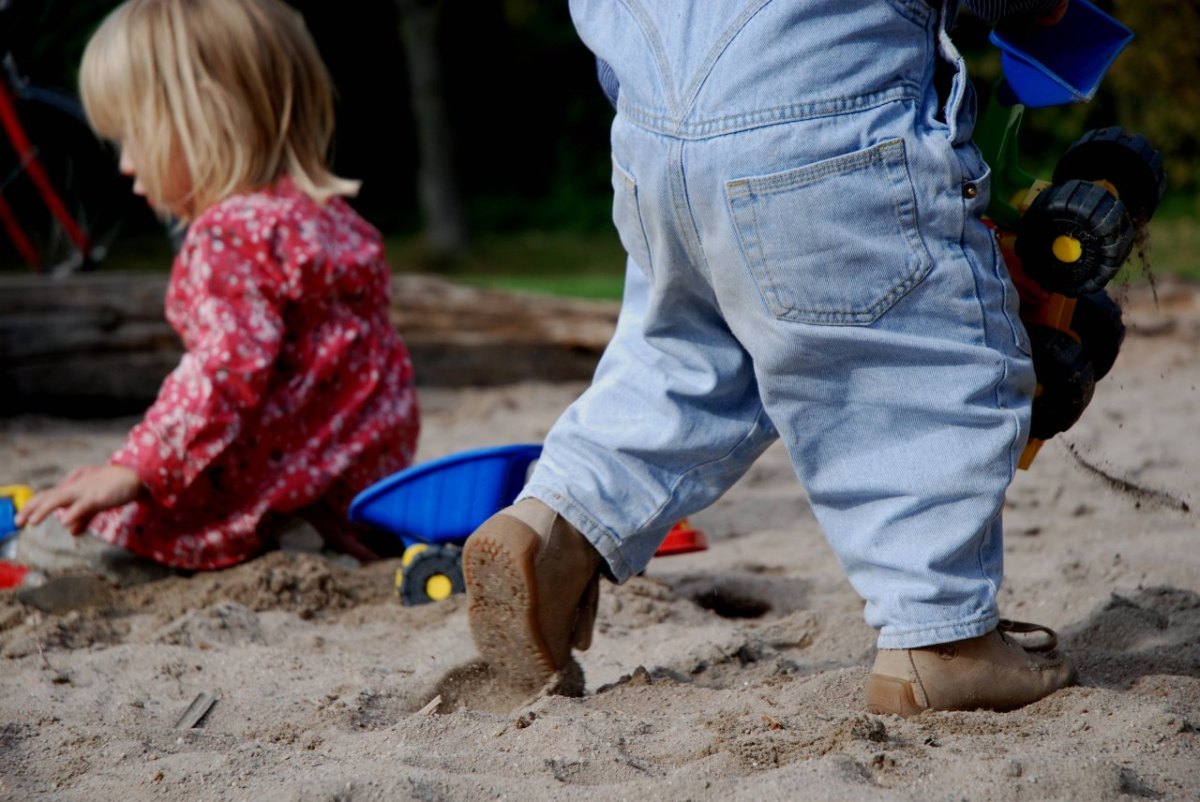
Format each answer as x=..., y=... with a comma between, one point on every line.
x=730, y=674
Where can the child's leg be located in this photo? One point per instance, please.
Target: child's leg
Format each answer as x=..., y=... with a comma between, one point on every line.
x=670, y=422
x=871, y=305
x=196, y=534
x=800, y=182
x=335, y=531
x=884, y=331
x=672, y=419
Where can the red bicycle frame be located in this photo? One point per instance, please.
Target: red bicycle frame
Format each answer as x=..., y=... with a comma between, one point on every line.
x=27, y=161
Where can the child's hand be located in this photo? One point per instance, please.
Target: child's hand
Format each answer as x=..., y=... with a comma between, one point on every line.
x=1028, y=23
x=1053, y=16
x=85, y=492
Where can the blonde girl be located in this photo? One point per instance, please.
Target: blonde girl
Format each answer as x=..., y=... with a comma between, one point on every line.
x=294, y=391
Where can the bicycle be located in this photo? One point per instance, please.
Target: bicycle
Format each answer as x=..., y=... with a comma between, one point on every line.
x=61, y=195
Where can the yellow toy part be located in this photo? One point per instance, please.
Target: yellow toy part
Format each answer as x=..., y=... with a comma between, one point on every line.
x=1067, y=249
x=20, y=494
x=429, y=573
x=439, y=587
x=406, y=560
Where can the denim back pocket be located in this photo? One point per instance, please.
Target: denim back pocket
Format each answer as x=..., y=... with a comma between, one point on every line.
x=834, y=242
x=627, y=215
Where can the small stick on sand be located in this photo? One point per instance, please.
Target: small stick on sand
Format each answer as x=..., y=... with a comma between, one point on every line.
x=197, y=710
x=430, y=708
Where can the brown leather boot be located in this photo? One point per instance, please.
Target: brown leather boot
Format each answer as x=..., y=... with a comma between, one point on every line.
x=533, y=582
x=991, y=672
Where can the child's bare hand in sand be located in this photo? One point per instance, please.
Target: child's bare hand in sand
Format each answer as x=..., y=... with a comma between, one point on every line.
x=85, y=492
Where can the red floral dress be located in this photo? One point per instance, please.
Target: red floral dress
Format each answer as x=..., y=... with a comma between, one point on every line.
x=294, y=392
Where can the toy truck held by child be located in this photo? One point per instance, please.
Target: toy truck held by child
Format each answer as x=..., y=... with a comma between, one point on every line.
x=1064, y=240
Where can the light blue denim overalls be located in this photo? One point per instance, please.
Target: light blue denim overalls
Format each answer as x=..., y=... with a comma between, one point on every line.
x=806, y=261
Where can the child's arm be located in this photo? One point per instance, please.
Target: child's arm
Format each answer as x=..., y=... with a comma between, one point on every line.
x=85, y=492
x=231, y=298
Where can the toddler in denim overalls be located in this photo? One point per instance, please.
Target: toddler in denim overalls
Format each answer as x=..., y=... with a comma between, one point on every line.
x=801, y=209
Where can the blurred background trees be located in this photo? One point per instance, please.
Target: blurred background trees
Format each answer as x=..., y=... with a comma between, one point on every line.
x=485, y=115
x=1156, y=85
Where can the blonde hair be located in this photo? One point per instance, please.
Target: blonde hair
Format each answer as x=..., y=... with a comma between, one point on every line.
x=234, y=87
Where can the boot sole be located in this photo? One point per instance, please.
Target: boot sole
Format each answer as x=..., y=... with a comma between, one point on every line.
x=891, y=695
x=498, y=569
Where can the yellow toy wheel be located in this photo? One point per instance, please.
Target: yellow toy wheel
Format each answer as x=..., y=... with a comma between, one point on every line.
x=1074, y=238
x=1066, y=249
x=439, y=587
x=411, y=553
x=430, y=573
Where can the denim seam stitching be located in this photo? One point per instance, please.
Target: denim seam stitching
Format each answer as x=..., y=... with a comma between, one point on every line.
x=631, y=184
x=684, y=220
x=692, y=92
x=906, y=189
x=795, y=112
x=751, y=245
x=786, y=181
x=654, y=39
x=889, y=156
x=993, y=521
x=1014, y=417
x=990, y=618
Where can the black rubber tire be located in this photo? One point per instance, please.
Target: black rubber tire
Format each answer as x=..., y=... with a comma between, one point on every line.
x=1067, y=381
x=1097, y=321
x=435, y=560
x=1127, y=161
x=1091, y=215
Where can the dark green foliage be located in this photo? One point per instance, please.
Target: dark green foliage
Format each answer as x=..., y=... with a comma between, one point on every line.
x=1156, y=84
x=531, y=124
x=47, y=37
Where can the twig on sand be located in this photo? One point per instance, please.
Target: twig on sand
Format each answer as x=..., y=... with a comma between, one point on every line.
x=430, y=708
x=197, y=710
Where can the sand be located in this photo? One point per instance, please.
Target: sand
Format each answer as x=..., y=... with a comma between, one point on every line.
x=734, y=673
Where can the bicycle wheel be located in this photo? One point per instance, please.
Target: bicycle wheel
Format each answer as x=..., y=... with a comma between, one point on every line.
x=63, y=197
